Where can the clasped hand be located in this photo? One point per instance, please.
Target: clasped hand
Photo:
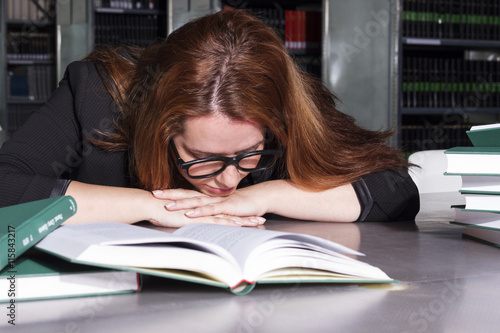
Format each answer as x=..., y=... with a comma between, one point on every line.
x=243, y=207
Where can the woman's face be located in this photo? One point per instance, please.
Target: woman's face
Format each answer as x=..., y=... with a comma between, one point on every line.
x=217, y=135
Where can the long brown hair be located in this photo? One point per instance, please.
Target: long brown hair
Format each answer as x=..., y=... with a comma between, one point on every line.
x=231, y=63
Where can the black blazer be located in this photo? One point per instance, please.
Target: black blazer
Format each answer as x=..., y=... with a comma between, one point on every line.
x=52, y=145
x=52, y=148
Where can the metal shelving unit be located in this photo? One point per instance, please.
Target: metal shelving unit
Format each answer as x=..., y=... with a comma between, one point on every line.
x=360, y=55
x=28, y=60
x=463, y=78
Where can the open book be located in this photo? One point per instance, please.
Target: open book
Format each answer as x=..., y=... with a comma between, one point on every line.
x=223, y=256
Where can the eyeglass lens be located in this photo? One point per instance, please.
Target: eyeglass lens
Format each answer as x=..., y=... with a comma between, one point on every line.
x=207, y=168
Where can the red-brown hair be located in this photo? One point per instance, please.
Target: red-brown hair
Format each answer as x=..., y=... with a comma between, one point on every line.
x=231, y=63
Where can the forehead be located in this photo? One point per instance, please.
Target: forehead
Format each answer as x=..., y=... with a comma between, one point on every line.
x=219, y=134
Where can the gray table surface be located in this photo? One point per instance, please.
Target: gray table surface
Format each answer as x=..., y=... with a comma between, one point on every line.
x=447, y=284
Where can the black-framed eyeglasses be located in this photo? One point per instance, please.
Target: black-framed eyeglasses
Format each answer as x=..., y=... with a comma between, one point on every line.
x=257, y=160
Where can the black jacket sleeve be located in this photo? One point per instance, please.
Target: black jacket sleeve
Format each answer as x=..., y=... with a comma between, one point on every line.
x=384, y=196
x=51, y=148
x=387, y=196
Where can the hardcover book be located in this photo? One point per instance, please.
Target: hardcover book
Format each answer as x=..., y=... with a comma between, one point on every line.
x=479, y=183
x=38, y=275
x=473, y=160
x=485, y=135
x=490, y=237
x=482, y=201
x=222, y=256
x=25, y=224
x=467, y=216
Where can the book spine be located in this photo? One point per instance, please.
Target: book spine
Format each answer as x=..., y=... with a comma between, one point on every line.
x=34, y=229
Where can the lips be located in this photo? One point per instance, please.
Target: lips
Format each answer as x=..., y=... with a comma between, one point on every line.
x=219, y=191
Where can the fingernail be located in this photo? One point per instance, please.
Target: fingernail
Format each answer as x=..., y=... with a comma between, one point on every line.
x=170, y=205
x=191, y=212
x=258, y=219
x=157, y=192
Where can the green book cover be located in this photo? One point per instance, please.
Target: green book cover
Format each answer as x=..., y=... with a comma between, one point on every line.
x=485, y=136
x=38, y=275
x=479, y=192
x=474, y=150
x=25, y=224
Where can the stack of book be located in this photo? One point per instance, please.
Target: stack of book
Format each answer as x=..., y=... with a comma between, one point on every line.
x=479, y=167
x=27, y=273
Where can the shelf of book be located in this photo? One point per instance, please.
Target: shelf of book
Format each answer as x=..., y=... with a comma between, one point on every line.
x=430, y=135
x=299, y=23
x=28, y=48
x=142, y=5
x=449, y=111
x=138, y=23
x=104, y=10
x=459, y=19
x=449, y=66
x=451, y=42
x=27, y=23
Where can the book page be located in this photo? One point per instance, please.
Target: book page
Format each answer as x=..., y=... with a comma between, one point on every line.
x=482, y=127
x=72, y=240
x=241, y=242
x=116, y=245
x=495, y=225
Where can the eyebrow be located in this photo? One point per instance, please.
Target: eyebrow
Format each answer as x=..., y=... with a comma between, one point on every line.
x=210, y=154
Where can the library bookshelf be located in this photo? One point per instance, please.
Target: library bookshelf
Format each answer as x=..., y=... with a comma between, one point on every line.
x=450, y=71
x=28, y=58
x=39, y=38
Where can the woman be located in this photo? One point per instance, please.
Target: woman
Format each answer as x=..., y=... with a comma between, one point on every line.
x=214, y=124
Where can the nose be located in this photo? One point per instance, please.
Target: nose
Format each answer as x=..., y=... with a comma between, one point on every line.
x=230, y=177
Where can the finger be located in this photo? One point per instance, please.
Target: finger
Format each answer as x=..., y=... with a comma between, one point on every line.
x=206, y=210
x=219, y=209
x=176, y=194
x=222, y=220
x=250, y=221
x=192, y=203
x=253, y=221
x=258, y=219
